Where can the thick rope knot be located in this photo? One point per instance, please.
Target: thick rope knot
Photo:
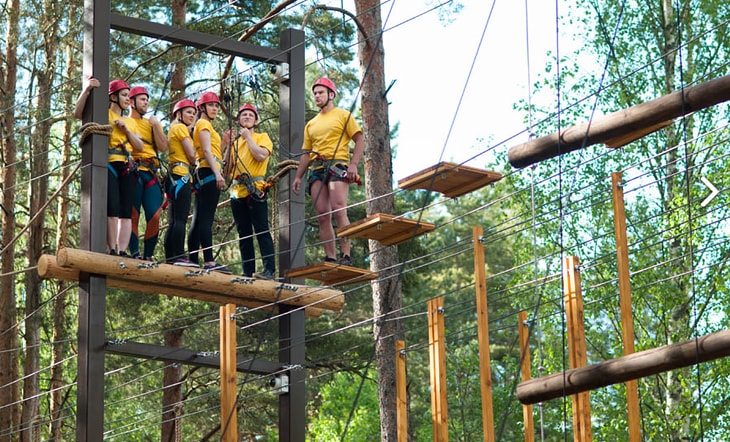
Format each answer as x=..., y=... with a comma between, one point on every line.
x=284, y=167
x=94, y=128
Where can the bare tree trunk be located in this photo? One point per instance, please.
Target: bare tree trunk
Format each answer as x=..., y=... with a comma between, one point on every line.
x=378, y=183
x=9, y=392
x=172, y=390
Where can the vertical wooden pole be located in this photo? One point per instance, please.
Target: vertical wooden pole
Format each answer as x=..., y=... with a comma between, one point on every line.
x=573, y=299
x=485, y=364
x=229, y=420
x=400, y=390
x=624, y=287
x=437, y=358
x=525, y=369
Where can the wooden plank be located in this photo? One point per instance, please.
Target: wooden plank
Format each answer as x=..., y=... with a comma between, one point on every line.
x=48, y=268
x=385, y=228
x=210, y=282
x=485, y=364
x=573, y=299
x=627, y=316
x=437, y=359
x=401, y=395
x=332, y=274
x=450, y=179
x=623, y=125
x=634, y=366
x=526, y=371
x=229, y=417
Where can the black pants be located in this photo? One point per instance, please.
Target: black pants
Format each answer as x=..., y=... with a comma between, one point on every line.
x=252, y=215
x=201, y=229
x=179, y=198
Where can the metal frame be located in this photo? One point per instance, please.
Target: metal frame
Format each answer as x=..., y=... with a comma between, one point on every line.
x=98, y=22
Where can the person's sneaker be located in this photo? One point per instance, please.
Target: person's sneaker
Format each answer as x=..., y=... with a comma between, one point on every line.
x=344, y=260
x=328, y=259
x=220, y=268
x=113, y=252
x=266, y=274
x=182, y=262
x=137, y=256
x=124, y=254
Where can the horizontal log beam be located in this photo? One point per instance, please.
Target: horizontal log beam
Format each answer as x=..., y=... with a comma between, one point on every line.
x=49, y=269
x=624, y=126
x=633, y=366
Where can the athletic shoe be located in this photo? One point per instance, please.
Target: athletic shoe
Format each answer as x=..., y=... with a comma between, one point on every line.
x=266, y=274
x=328, y=259
x=124, y=255
x=220, y=268
x=344, y=260
x=182, y=262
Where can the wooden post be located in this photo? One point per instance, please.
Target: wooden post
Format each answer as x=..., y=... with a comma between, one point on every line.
x=229, y=418
x=400, y=390
x=634, y=366
x=524, y=329
x=624, y=287
x=573, y=299
x=623, y=126
x=437, y=358
x=485, y=365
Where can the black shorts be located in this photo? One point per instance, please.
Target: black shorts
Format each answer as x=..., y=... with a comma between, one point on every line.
x=121, y=185
x=323, y=174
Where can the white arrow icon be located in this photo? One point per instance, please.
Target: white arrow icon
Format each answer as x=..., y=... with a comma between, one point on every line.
x=712, y=194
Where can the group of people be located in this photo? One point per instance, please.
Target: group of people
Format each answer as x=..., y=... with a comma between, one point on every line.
x=199, y=162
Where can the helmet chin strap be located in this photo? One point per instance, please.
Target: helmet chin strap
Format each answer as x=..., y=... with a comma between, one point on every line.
x=328, y=99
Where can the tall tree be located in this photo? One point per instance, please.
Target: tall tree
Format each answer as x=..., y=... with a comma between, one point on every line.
x=8, y=332
x=378, y=183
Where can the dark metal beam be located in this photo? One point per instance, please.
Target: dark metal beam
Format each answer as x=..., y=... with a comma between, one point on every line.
x=189, y=357
x=200, y=40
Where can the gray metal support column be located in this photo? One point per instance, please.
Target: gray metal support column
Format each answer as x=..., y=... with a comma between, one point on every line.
x=92, y=288
x=292, y=406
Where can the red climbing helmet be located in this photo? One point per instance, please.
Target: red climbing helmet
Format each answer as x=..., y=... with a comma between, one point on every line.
x=138, y=90
x=326, y=82
x=117, y=85
x=182, y=104
x=207, y=97
x=248, y=106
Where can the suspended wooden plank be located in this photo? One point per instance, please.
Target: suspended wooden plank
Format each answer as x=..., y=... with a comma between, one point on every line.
x=621, y=127
x=634, y=366
x=450, y=179
x=211, y=283
x=332, y=274
x=385, y=228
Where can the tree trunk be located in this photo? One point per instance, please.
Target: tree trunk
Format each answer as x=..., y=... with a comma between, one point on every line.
x=172, y=390
x=378, y=183
x=8, y=333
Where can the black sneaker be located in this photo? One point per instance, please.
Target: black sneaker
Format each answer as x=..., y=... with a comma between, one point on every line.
x=344, y=260
x=182, y=262
x=124, y=254
x=220, y=268
x=328, y=259
x=266, y=274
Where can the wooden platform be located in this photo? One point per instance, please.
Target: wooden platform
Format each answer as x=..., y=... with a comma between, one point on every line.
x=450, y=179
x=332, y=274
x=388, y=229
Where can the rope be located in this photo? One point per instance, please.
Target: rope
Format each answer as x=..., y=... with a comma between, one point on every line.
x=284, y=167
x=94, y=128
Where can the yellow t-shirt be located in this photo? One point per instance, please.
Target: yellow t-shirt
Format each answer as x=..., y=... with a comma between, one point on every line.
x=118, y=139
x=177, y=133
x=215, y=144
x=144, y=130
x=244, y=162
x=328, y=134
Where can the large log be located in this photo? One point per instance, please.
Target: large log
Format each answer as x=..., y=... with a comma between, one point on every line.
x=621, y=127
x=199, y=280
x=48, y=268
x=633, y=366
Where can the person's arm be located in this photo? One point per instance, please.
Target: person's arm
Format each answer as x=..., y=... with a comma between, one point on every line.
x=134, y=140
x=303, y=164
x=189, y=149
x=359, y=140
x=207, y=147
x=91, y=83
x=158, y=135
x=259, y=153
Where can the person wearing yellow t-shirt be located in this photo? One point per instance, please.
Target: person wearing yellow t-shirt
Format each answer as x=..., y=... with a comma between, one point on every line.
x=121, y=176
x=249, y=158
x=181, y=157
x=148, y=193
x=209, y=182
x=331, y=170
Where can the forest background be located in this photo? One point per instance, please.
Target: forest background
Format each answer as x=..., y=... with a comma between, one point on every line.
x=630, y=52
